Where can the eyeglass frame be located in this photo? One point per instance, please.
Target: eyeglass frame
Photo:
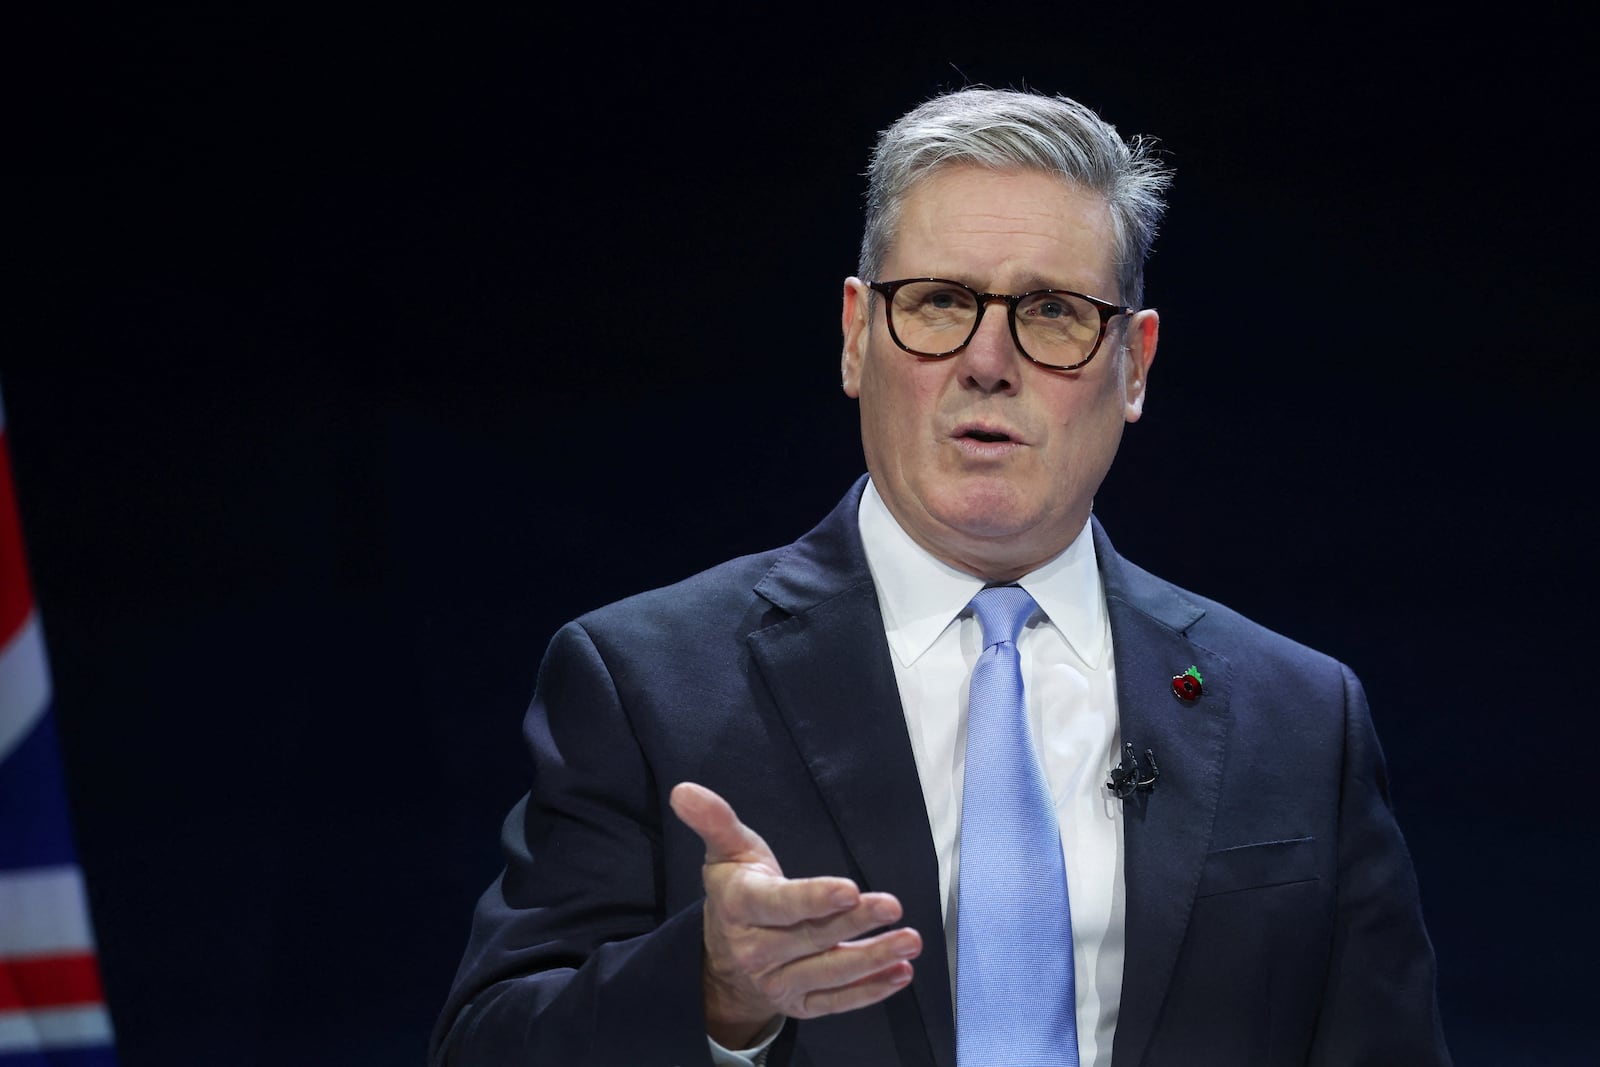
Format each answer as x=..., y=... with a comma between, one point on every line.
x=1106, y=308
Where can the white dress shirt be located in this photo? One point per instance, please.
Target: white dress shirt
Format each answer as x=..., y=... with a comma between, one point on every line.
x=1070, y=684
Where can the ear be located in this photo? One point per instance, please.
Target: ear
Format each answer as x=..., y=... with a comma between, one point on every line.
x=854, y=319
x=1143, y=329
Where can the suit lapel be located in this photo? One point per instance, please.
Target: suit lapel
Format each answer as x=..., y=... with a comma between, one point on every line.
x=1167, y=831
x=827, y=665
x=828, y=668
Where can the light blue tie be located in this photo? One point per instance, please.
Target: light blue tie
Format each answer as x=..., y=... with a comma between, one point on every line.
x=1014, y=990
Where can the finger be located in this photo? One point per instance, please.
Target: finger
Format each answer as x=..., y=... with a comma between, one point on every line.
x=875, y=911
x=802, y=904
x=767, y=955
x=850, y=975
x=859, y=994
x=726, y=838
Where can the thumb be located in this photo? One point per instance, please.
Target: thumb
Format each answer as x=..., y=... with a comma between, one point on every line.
x=727, y=839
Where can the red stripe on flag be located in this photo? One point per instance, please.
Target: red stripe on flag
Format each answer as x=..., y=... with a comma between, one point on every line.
x=49, y=982
x=15, y=599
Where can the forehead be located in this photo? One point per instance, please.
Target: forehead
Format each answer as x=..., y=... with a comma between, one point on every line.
x=1004, y=228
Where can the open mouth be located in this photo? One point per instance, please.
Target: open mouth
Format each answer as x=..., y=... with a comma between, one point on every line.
x=987, y=436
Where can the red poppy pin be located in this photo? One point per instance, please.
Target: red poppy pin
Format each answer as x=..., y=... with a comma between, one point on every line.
x=1186, y=686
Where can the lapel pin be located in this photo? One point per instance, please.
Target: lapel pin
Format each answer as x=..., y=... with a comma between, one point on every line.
x=1186, y=686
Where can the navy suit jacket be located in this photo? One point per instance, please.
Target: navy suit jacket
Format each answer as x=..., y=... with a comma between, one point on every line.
x=1272, y=913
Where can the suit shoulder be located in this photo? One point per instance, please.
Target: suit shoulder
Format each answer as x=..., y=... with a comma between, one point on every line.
x=713, y=613
x=1222, y=622
x=715, y=598
x=1213, y=624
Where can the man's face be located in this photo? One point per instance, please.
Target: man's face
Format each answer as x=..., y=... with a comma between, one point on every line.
x=994, y=508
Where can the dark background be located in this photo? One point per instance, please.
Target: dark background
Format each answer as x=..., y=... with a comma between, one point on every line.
x=352, y=354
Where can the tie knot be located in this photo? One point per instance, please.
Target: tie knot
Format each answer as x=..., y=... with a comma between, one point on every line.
x=1001, y=611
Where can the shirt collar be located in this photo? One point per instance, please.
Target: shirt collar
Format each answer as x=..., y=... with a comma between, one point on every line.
x=921, y=595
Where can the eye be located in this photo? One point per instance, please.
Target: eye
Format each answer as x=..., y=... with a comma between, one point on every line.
x=1060, y=308
x=941, y=298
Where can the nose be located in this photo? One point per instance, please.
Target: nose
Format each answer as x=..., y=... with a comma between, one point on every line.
x=991, y=363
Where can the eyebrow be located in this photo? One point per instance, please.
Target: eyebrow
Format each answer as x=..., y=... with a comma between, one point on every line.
x=1029, y=283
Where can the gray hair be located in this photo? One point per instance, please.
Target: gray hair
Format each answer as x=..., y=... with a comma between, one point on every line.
x=1003, y=129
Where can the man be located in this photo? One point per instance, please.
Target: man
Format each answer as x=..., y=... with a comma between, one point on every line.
x=752, y=834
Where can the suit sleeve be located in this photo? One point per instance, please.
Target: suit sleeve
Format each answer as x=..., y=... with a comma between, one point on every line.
x=1380, y=1003
x=573, y=957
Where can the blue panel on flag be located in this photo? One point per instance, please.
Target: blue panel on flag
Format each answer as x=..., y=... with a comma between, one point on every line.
x=34, y=828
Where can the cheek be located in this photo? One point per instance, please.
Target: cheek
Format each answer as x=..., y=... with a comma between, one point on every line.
x=881, y=412
x=899, y=399
x=1088, y=423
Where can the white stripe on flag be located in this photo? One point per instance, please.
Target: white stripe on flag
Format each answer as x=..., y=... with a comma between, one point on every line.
x=23, y=1031
x=45, y=912
x=24, y=684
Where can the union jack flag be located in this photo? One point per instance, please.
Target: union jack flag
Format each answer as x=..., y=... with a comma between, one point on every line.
x=52, y=1010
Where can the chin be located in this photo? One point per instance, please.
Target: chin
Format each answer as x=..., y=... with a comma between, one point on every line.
x=987, y=492
x=987, y=513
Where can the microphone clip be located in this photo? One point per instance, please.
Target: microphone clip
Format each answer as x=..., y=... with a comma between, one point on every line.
x=1128, y=778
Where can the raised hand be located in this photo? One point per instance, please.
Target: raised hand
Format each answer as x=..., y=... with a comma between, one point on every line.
x=784, y=946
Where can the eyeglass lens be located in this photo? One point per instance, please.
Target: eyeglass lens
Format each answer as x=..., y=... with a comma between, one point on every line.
x=933, y=318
